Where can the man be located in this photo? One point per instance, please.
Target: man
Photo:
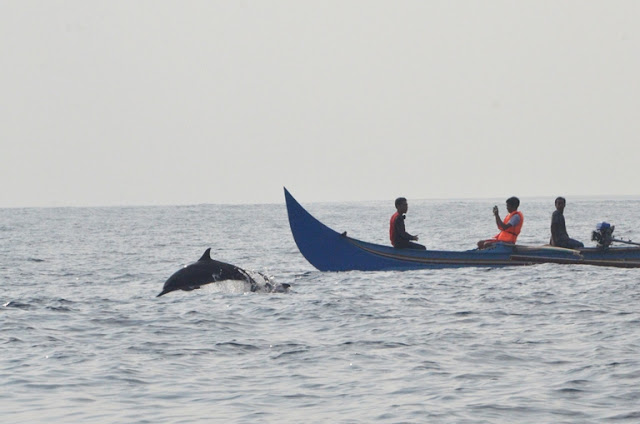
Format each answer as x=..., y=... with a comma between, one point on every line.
x=509, y=228
x=398, y=235
x=559, y=236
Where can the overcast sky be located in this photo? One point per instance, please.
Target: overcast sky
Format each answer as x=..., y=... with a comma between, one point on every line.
x=189, y=102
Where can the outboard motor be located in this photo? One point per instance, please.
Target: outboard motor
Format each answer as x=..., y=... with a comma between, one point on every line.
x=603, y=234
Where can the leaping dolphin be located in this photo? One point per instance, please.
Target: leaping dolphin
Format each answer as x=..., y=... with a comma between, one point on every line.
x=207, y=270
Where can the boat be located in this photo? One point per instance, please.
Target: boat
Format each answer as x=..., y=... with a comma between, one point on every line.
x=329, y=250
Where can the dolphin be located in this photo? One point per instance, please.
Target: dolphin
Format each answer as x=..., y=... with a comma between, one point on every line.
x=207, y=270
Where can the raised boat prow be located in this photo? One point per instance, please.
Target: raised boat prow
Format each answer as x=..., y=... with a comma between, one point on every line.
x=324, y=248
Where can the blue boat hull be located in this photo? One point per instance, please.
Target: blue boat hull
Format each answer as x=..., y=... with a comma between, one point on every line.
x=328, y=250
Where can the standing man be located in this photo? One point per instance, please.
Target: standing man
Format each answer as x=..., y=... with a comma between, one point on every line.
x=509, y=228
x=559, y=236
x=398, y=235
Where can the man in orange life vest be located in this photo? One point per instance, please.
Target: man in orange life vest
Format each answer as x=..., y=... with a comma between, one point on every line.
x=509, y=228
x=398, y=235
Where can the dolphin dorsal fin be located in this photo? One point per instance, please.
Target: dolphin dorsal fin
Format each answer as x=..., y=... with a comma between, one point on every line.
x=206, y=256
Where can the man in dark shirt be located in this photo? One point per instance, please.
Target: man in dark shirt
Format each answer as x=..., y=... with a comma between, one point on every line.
x=559, y=236
x=398, y=235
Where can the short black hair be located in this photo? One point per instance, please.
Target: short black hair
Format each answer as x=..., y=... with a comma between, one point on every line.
x=400, y=200
x=514, y=201
x=560, y=198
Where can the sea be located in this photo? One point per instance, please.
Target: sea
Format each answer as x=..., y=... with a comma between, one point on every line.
x=84, y=339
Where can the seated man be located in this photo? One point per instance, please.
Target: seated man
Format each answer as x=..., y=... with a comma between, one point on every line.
x=399, y=237
x=509, y=228
x=559, y=236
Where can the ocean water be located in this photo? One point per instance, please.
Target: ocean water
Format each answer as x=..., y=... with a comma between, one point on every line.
x=84, y=339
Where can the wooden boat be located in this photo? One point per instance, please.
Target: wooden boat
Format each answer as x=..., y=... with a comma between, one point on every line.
x=328, y=250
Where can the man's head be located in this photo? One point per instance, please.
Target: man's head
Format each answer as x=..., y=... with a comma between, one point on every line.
x=513, y=203
x=560, y=203
x=401, y=205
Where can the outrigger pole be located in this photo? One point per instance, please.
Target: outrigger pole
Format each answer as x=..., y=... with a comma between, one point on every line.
x=625, y=241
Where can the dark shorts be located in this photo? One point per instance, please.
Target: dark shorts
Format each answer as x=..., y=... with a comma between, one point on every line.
x=409, y=245
x=569, y=244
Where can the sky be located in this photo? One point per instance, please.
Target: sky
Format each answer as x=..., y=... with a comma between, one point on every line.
x=108, y=103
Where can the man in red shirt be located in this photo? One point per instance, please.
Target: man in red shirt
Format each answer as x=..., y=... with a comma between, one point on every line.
x=399, y=237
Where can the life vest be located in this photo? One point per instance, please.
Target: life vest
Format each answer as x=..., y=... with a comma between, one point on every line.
x=511, y=234
x=392, y=228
